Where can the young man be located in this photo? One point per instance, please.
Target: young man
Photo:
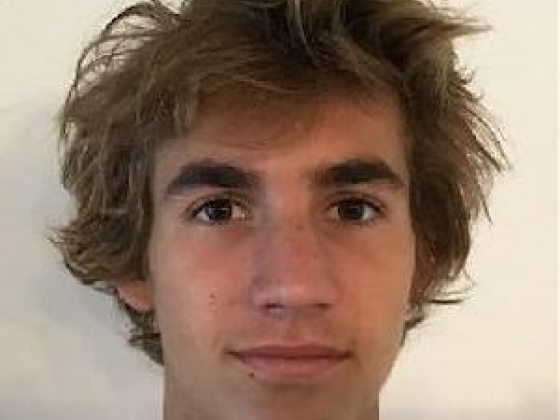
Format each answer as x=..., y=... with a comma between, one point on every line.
x=275, y=190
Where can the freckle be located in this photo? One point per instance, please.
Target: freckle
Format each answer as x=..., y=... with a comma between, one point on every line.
x=252, y=375
x=212, y=298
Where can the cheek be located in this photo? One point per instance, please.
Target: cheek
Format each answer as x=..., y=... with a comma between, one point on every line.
x=194, y=293
x=381, y=265
x=378, y=274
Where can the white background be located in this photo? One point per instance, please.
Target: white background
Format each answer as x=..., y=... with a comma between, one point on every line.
x=63, y=353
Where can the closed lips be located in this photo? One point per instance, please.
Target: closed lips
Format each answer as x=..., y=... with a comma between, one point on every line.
x=293, y=352
x=291, y=363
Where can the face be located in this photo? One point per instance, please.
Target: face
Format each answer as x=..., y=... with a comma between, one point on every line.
x=281, y=260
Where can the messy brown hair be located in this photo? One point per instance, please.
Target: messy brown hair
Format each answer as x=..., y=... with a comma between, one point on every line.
x=142, y=80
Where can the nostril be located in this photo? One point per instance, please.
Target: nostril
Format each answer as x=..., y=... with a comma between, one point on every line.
x=275, y=310
x=283, y=311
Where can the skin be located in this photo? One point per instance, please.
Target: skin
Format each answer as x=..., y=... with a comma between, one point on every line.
x=288, y=261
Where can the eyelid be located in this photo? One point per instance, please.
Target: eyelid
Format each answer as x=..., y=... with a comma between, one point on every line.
x=379, y=205
x=236, y=199
x=358, y=195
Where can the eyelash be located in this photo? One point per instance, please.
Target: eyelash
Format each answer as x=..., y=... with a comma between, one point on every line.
x=200, y=205
x=375, y=205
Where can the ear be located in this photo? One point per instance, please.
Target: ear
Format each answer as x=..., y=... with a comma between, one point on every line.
x=136, y=293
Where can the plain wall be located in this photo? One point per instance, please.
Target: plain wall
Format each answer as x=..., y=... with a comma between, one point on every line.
x=63, y=353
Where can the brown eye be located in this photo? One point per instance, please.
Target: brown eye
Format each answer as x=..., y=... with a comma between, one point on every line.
x=219, y=211
x=355, y=210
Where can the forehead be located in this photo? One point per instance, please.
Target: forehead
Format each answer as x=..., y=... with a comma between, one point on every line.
x=275, y=135
x=258, y=119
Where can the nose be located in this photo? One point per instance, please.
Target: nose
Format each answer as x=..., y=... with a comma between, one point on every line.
x=291, y=275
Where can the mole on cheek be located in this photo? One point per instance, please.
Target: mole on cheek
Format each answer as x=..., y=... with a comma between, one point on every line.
x=212, y=299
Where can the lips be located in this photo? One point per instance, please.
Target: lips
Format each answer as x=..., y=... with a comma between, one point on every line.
x=279, y=362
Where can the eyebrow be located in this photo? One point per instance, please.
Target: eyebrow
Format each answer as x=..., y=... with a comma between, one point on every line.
x=357, y=171
x=212, y=173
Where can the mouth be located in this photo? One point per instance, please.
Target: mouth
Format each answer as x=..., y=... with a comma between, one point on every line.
x=290, y=363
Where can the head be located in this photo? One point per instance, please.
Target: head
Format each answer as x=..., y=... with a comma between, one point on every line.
x=254, y=178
